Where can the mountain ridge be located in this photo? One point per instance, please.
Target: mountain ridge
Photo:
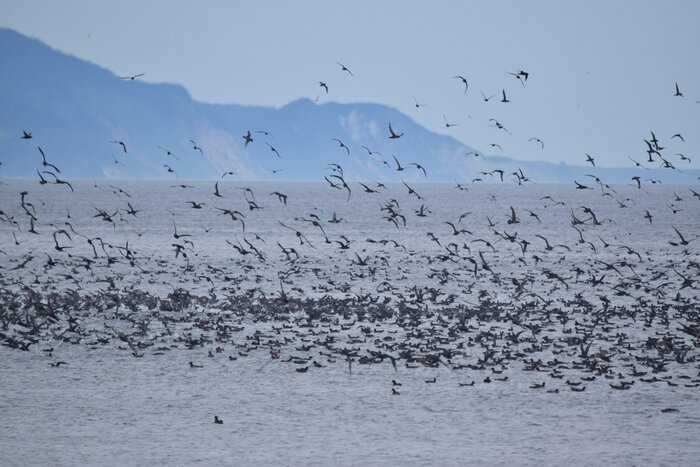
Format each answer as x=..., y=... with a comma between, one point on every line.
x=77, y=110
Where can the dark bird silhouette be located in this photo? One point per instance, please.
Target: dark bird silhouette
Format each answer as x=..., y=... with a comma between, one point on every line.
x=273, y=149
x=464, y=80
x=370, y=152
x=46, y=164
x=216, y=190
x=342, y=145
x=133, y=77
x=217, y=420
x=416, y=102
x=393, y=134
x=679, y=136
x=520, y=76
x=513, y=219
x=683, y=241
x=411, y=191
x=26, y=135
x=486, y=99
x=248, y=139
x=398, y=166
x=58, y=181
x=323, y=85
x=299, y=235
x=678, y=92
x=344, y=68
x=538, y=140
x=42, y=180
x=281, y=196
x=419, y=167
x=368, y=189
x=167, y=152
x=505, y=99
x=590, y=159
x=448, y=124
x=195, y=147
x=177, y=236
x=121, y=143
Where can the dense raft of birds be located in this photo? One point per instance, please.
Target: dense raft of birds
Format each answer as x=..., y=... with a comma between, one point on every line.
x=617, y=316
x=620, y=346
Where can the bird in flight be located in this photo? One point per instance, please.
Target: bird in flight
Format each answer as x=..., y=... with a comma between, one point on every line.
x=505, y=99
x=464, y=80
x=168, y=152
x=590, y=159
x=538, y=140
x=344, y=68
x=448, y=124
x=323, y=85
x=370, y=152
x=486, y=99
x=121, y=143
x=678, y=92
x=195, y=147
x=132, y=77
x=273, y=150
x=46, y=164
x=679, y=136
x=393, y=135
x=26, y=135
x=342, y=145
x=247, y=138
x=417, y=104
x=521, y=76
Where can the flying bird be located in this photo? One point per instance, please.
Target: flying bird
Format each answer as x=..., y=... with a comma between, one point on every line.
x=520, y=75
x=323, y=85
x=416, y=102
x=678, y=92
x=195, y=147
x=46, y=164
x=505, y=99
x=678, y=135
x=121, y=143
x=343, y=68
x=464, y=80
x=132, y=77
x=26, y=135
x=247, y=138
x=394, y=135
x=538, y=140
x=342, y=145
x=448, y=124
x=486, y=99
x=167, y=151
x=273, y=150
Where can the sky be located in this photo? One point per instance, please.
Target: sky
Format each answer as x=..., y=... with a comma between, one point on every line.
x=602, y=74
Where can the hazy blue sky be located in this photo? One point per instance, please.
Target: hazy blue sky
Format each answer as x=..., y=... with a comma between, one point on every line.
x=602, y=73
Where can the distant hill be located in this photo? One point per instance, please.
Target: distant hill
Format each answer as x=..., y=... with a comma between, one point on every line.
x=74, y=109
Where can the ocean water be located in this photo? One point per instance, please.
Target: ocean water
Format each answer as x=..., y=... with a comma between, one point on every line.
x=296, y=352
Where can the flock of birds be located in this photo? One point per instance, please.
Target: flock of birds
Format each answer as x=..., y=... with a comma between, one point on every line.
x=548, y=286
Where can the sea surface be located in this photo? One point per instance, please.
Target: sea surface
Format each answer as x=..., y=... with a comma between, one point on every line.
x=133, y=313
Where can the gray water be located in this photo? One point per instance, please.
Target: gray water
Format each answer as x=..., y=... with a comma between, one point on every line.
x=106, y=407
